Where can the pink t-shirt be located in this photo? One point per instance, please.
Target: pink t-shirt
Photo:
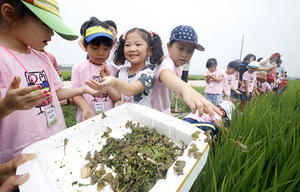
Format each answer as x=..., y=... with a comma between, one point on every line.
x=235, y=80
x=205, y=117
x=263, y=87
x=251, y=80
x=162, y=96
x=24, y=127
x=214, y=87
x=83, y=71
x=227, y=84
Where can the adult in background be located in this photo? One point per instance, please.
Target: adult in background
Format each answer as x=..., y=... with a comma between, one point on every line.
x=279, y=69
x=243, y=65
x=270, y=62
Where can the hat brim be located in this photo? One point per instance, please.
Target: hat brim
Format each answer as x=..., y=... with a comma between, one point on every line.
x=53, y=21
x=254, y=67
x=198, y=46
x=95, y=35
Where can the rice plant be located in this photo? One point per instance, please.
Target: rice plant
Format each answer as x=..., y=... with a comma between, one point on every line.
x=269, y=127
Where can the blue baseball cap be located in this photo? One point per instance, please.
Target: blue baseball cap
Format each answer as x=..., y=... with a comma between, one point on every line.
x=186, y=33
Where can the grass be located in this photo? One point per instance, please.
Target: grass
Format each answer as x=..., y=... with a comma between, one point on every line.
x=66, y=75
x=270, y=128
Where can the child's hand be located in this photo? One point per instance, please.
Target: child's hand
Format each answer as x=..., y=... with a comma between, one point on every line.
x=87, y=113
x=118, y=103
x=8, y=171
x=104, y=86
x=17, y=98
x=238, y=92
x=104, y=71
x=195, y=100
x=92, y=91
x=248, y=94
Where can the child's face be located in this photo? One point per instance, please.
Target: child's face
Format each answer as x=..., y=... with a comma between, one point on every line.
x=113, y=31
x=33, y=33
x=230, y=70
x=212, y=68
x=222, y=111
x=181, y=52
x=136, y=49
x=251, y=70
x=98, y=54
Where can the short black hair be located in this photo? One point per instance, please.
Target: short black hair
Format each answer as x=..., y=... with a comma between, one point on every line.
x=259, y=59
x=211, y=62
x=248, y=57
x=234, y=65
x=96, y=41
x=111, y=23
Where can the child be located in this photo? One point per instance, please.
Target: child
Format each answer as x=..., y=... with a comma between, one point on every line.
x=228, y=80
x=26, y=26
x=97, y=41
x=213, y=78
x=248, y=86
x=134, y=83
x=183, y=41
x=262, y=86
x=226, y=108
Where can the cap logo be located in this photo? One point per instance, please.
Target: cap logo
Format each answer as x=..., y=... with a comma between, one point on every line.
x=48, y=5
x=96, y=29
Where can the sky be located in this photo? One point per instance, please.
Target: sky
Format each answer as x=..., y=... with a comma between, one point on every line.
x=268, y=26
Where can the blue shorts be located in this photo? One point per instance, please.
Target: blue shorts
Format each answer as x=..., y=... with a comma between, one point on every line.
x=214, y=98
x=233, y=94
x=243, y=96
x=204, y=125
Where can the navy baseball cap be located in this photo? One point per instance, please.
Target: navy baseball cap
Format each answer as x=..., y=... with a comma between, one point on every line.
x=186, y=33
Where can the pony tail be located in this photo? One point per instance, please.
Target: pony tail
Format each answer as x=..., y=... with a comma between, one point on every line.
x=119, y=57
x=157, y=51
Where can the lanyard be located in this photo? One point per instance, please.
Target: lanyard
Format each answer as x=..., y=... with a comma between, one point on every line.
x=24, y=66
x=133, y=80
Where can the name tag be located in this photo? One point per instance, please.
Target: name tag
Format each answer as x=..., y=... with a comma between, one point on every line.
x=99, y=107
x=51, y=116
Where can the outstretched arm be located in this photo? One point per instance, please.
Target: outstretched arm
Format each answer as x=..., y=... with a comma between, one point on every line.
x=128, y=89
x=191, y=97
x=66, y=93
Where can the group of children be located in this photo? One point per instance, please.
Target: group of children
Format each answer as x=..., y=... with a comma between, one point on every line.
x=242, y=79
x=31, y=89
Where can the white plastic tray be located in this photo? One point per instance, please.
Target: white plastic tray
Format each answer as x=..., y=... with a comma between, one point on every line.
x=51, y=170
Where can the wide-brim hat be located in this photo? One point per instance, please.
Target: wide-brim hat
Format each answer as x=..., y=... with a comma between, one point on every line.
x=228, y=107
x=187, y=34
x=48, y=12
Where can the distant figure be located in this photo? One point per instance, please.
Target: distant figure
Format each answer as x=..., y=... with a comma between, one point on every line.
x=279, y=69
x=185, y=72
x=270, y=62
x=228, y=81
x=213, y=78
x=248, y=84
